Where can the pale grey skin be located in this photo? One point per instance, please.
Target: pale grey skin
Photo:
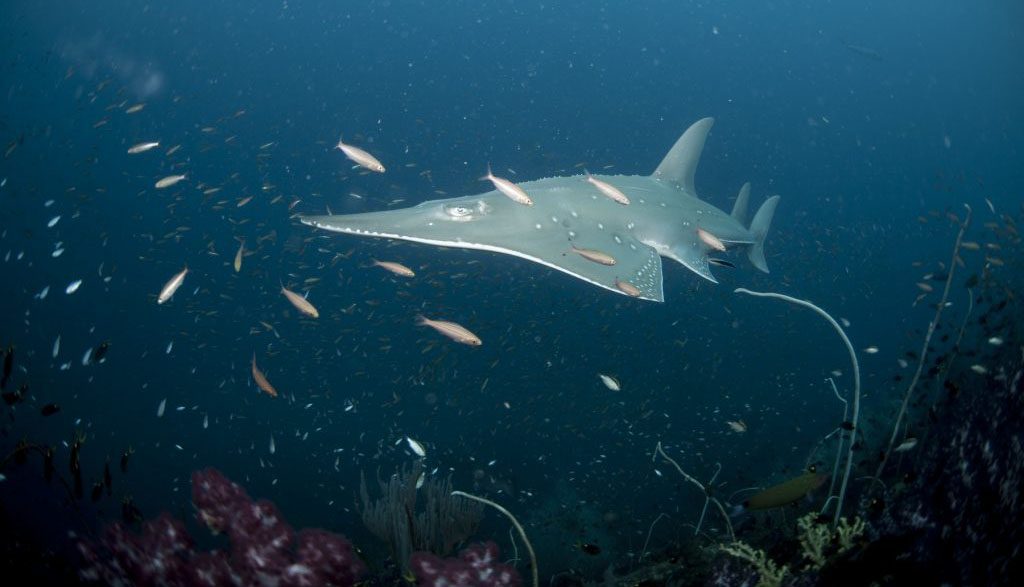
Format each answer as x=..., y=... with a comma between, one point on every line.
x=660, y=221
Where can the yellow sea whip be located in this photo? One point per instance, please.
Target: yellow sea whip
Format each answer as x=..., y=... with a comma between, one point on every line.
x=924, y=347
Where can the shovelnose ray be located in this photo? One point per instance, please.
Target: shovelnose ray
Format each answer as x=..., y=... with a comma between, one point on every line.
x=571, y=215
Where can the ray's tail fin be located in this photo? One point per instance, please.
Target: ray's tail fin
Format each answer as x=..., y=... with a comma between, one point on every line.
x=759, y=227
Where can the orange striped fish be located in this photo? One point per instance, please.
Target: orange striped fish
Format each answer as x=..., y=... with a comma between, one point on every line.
x=710, y=240
x=454, y=331
x=261, y=380
x=301, y=304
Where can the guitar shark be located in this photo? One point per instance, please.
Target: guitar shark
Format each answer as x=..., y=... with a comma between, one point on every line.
x=573, y=227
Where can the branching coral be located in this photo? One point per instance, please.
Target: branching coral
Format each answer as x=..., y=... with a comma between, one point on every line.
x=814, y=539
x=820, y=545
x=847, y=532
x=817, y=538
x=769, y=573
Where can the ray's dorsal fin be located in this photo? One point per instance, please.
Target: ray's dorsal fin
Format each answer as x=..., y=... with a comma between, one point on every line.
x=680, y=164
x=739, y=209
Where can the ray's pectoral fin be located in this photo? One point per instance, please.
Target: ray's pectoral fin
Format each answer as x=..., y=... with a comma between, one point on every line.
x=694, y=256
x=636, y=270
x=636, y=264
x=640, y=268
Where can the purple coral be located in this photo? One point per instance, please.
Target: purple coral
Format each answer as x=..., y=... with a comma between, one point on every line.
x=477, y=566
x=261, y=547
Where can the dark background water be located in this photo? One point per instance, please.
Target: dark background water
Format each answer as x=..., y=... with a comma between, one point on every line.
x=864, y=117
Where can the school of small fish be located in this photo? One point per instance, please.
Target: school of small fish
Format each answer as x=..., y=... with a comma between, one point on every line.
x=271, y=328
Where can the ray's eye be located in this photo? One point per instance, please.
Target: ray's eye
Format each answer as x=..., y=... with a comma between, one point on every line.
x=458, y=211
x=466, y=211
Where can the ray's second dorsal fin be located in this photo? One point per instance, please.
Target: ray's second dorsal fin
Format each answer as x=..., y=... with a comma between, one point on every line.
x=680, y=164
x=739, y=209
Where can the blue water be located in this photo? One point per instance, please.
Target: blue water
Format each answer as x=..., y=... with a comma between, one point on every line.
x=863, y=116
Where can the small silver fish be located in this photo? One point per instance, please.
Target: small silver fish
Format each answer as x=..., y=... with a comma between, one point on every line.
x=737, y=426
x=416, y=447
x=610, y=382
x=169, y=181
x=142, y=147
x=172, y=286
x=906, y=445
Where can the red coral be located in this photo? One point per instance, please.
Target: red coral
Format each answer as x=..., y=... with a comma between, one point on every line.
x=477, y=566
x=261, y=547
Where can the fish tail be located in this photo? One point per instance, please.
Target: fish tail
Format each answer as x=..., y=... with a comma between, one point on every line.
x=421, y=320
x=759, y=228
x=489, y=175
